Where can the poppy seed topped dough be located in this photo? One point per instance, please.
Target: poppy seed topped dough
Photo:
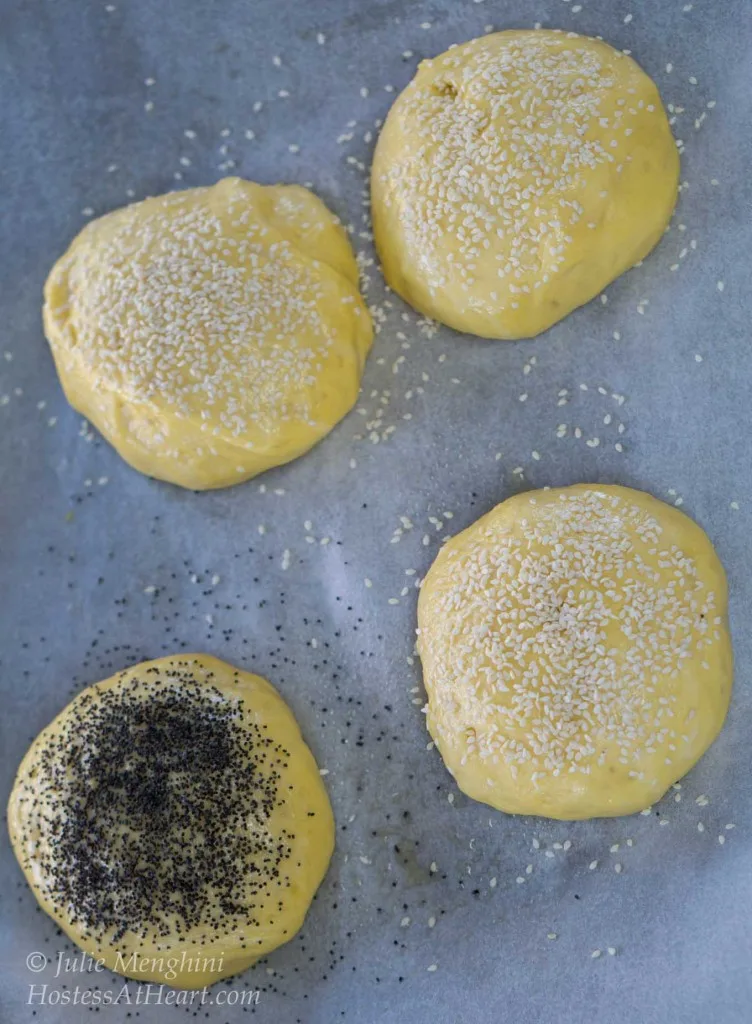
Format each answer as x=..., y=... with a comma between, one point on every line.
x=173, y=813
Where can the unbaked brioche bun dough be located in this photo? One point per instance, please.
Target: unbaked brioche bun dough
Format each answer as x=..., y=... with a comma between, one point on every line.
x=516, y=176
x=173, y=822
x=213, y=333
x=575, y=652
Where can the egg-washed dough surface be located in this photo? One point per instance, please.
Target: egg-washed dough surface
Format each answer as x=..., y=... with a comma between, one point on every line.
x=575, y=651
x=203, y=803
x=516, y=176
x=213, y=333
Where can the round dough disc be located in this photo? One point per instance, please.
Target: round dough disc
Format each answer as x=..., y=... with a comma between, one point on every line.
x=575, y=652
x=173, y=822
x=516, y=176
x=213, y=333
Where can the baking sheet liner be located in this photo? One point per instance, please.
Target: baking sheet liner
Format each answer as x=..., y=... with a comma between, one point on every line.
x=435, y=908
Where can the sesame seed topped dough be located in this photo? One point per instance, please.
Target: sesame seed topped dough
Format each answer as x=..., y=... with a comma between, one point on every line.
x=173, y=811
x=516, y=176
x=213, y=333
x=575, y=651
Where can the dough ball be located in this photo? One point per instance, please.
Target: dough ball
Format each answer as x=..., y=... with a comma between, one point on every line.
x=516, y=176
x=210, y=334
x=173, y=822
x=575, y=652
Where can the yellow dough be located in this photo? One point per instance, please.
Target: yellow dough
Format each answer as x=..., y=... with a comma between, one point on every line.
x=173, y=822
x=575, y=652
x=213, y=333
x=516, y=176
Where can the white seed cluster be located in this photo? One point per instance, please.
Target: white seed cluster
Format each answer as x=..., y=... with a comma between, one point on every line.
x=465, y=189
x=563, y=637
x=206, y=310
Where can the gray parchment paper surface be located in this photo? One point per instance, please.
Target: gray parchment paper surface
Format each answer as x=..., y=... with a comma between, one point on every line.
x=100, y=567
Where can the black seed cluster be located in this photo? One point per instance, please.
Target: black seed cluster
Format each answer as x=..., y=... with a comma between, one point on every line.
x=152, y=806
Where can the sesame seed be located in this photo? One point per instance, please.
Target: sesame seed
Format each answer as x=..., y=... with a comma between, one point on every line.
x=259, y=303
x=500, y=180
x=496, y=587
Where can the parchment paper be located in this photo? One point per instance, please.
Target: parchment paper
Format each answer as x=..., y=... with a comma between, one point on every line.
x=102, y=567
